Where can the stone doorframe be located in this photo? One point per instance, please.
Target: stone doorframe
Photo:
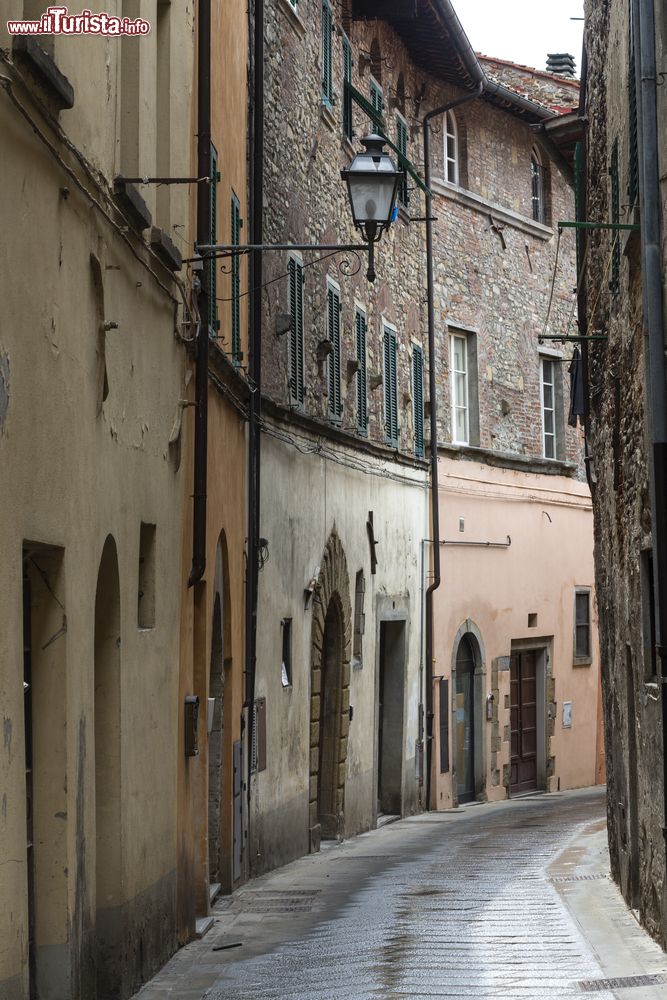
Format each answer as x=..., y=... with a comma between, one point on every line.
x=470, y=629
x=333, y=584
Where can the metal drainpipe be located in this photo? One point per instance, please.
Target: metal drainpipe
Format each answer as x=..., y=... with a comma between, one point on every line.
x=435, y=508
x=203, y=237
x=255, y=371
x=651, y=218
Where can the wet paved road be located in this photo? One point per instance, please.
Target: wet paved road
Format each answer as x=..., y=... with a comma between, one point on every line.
x=449, y=905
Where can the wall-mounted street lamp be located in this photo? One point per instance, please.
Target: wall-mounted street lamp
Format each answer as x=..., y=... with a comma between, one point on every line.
x=372, y=183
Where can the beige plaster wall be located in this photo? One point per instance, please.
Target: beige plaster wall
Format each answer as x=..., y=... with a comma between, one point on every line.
x=304, y=497
x=74, y=472
x=549, y=521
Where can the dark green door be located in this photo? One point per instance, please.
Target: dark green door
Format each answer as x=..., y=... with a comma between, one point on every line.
x=465, y=722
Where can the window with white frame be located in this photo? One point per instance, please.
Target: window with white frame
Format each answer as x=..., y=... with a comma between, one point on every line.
x=549, y=409
x=582, y=625
x=460, y=390
x=451, y=149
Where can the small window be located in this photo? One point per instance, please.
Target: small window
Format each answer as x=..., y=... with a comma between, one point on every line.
x=327, y=72
x=402, y=146
x=537, y=180
x=237, y=357
x=582, y=626
x=418, y=398
x=377, y=102
x=549, y=436
x=286, y=661
x=296, y=362
x=451, y=149
x=362, y=372
x=348, y=119
x=334, y=363
x=359, y=620
x=458, y=353
x=390, y=387
x=146, y=595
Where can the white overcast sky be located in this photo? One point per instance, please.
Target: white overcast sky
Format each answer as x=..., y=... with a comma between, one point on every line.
x=523, y=31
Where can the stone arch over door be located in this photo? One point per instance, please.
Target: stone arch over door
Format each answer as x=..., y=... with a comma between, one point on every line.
x=331, y=648
x=472, y=635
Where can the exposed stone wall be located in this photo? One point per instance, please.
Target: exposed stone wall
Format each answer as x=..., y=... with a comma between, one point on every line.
x=494, y=274
x=306, y=201
x=621, y=495
x=493, y=271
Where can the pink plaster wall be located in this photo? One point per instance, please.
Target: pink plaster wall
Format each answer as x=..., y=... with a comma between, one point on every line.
x=549, y=520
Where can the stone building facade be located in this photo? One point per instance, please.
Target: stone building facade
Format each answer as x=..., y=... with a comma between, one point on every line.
x=516, y=694
x=622, y=171
x=327, y=469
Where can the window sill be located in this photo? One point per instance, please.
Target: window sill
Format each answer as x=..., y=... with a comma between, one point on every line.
x=327, y=116
x=292, y=16
x=478, y=204
x=582, y=661
x=349, y=148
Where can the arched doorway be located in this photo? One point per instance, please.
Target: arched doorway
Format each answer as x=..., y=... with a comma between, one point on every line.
x=465, y=721
x=330, y=694
x=108, y=875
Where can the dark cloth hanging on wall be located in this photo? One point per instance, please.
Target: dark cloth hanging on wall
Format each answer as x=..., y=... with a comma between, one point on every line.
x=576, y=389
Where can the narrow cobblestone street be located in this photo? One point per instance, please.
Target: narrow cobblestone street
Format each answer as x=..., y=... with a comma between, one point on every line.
x=509, y=900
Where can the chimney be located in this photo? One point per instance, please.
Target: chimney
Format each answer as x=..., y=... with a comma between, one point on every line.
x=560, y=63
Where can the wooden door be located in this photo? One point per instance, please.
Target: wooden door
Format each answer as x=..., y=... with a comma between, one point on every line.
x=523, y=720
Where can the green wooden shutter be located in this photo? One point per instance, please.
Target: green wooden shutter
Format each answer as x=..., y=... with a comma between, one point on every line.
x=615, y=282
x=327, y=72
x=333, y=310
x=347, y=97
x=236, y=282
x=212, y=264
x=418, y=398
x=296, y=370
x=377, y=102
x=391, y=387
x=402, y=144
x=633, y=131
x=362, y=374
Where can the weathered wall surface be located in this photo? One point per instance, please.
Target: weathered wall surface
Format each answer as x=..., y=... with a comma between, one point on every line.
x=492, y=591
x=310, y=490
x=621, y=495
x=78, y=468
